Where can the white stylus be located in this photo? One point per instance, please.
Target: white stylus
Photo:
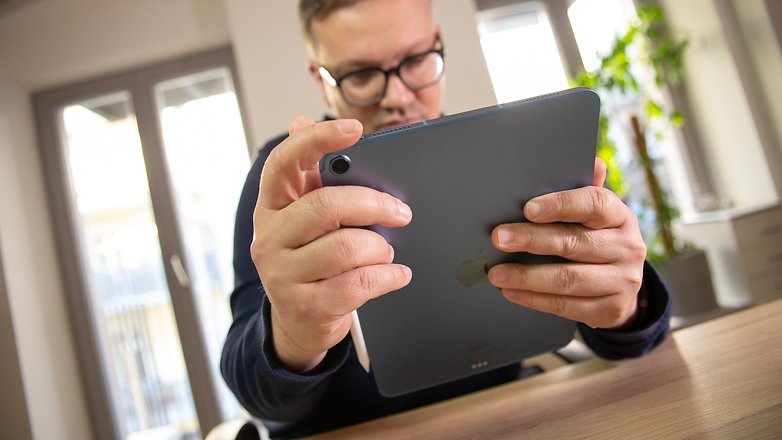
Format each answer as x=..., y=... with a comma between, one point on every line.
x=358, y=341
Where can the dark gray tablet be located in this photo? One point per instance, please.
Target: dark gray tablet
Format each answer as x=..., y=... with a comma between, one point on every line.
x=462, y=175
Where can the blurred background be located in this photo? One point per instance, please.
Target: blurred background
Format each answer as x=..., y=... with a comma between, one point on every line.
x=127, y=129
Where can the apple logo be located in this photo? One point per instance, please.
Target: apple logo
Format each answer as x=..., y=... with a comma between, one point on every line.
x=473, y=271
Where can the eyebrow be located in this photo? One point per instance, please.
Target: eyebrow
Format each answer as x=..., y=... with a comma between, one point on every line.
x=355, y=65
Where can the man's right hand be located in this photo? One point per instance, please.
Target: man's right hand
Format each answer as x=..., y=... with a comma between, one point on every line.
x=314, y=273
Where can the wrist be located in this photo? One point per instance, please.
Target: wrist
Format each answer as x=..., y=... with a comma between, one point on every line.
x=290, y=354
x=638, y=315
x=630, y=321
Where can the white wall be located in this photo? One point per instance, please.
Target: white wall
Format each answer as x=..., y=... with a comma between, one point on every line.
x=271, y=59
x=278, y=87
x=731, y=142
x=468, y=84
x=766, y=55
x=49, y=43
x=52, y=42
x=13, y=405
x=53, y=388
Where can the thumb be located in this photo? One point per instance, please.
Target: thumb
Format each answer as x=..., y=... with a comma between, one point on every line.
x=298, y=123
x=600, y=172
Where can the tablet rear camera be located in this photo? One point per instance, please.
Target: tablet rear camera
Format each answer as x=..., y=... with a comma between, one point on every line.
x=339, y=165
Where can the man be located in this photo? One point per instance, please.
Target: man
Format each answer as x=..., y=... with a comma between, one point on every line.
x=288, y=357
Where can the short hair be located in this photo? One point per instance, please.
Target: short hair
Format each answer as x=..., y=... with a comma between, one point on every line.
x=313, y=10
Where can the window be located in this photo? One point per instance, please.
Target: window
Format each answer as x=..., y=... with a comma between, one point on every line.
x=531, y=48
x=519, y=41
x=528, y=45
x=206, y=155
x=145, y=170
x=520, y=51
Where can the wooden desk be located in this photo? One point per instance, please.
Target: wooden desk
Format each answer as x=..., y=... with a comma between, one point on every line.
x=719, y=379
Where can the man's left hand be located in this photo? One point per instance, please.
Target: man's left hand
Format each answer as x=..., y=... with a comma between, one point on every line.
x=600, y=236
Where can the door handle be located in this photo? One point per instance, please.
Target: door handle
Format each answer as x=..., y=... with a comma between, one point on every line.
x=179, y=270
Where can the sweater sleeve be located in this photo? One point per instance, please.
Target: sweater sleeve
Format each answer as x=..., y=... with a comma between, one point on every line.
x=650, y=329
x=249, y=364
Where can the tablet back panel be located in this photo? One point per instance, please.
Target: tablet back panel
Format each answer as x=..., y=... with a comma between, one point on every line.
x=462, y=175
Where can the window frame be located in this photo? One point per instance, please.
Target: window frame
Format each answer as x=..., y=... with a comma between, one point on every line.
x=139, y=82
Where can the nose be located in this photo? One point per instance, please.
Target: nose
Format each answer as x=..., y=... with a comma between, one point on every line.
x=398, y=95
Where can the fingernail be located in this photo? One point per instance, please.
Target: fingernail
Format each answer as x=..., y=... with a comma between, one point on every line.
x=347, y=126
x=499, y=274
x=504, y=235
x=405, y=210
x=532, y=209
x=408, y=272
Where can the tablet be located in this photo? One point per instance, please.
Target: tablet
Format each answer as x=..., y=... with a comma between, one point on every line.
x=462, y=175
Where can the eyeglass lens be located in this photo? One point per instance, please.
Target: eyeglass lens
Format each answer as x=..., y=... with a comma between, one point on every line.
x=368, y=86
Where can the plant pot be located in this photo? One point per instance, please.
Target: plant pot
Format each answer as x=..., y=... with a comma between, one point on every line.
x=688, y=278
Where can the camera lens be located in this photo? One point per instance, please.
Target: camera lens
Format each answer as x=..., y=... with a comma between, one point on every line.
x=339, y=165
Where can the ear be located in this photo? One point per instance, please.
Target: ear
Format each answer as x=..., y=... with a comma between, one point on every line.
x=312, y=66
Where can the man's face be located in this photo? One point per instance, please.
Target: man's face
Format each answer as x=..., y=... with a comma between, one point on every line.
x=377, y=33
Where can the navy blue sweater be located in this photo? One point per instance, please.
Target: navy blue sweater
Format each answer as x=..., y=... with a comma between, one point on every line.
x=339, y=392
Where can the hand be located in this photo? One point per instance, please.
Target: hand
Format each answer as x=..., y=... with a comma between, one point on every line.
x=314, y=273
x=601, y=237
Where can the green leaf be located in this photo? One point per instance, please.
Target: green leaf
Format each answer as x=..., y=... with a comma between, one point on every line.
x=653, y=110
x=645, y=41
x=677, y=119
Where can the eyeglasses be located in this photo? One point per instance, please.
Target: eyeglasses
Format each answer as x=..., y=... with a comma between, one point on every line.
x=365, y=87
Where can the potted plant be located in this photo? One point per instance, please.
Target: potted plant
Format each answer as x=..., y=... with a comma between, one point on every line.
x=646, y=47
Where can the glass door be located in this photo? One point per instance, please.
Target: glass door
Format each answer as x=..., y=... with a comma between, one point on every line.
x=145, y=169
x=126, y=284
x=206, y=154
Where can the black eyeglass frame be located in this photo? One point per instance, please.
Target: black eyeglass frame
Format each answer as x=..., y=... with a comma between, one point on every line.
x=337, y=82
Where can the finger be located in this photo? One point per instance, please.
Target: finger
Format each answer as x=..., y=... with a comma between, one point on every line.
x=326, y=209
x=601, y=169
x=593, y=207
x=573, y=308
x=570, y=279
x=311, y=176
x=567, y=240
x=338, y=252
x=290, y=165
x=348, y=291
x=298, y=123
x=603, y=312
